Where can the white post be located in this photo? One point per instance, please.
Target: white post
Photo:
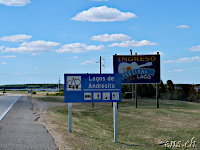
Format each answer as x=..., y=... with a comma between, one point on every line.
x=115, y=120
x=70, y=116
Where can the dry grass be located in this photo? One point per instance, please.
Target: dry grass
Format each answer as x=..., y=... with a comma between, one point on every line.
x=143, y=128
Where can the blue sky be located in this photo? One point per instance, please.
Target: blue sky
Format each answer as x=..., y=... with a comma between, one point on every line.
x=40, y=40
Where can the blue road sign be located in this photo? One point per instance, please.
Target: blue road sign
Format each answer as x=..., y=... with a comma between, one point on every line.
x=29, y=92
x=93, y=88
x=137, y=69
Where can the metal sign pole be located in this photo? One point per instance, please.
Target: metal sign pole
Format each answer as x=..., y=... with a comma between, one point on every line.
x=115, y=120
x=70, y=116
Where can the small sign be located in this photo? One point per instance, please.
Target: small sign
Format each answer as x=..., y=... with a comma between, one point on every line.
x=137, y=69
x=31, y=91
x=92, y=88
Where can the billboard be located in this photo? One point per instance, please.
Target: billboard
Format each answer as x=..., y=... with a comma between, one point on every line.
x=80, y=88
x=137, y=69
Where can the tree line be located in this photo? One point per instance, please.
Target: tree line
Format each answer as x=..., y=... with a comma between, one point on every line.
x=184, y=92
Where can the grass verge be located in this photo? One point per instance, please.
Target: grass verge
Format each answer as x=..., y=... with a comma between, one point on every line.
x=145, y=127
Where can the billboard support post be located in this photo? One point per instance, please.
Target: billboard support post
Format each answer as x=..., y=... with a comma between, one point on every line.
x=135, y=91
x=115, y=120
x=157, y=91
x=70, y=116
x=135, y=95
x=157, y=99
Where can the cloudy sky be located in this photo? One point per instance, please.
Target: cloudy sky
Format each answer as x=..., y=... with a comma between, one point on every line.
x=40, y=40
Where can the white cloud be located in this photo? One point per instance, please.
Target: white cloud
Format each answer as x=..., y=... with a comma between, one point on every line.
x=178, y=70
x=171, y=72
x=16, y=38
x=15, y=2
x=2, y=47
x=35, y=68
x=112, y=37
x=34, y=47
x=155, y=52
x=195, y=48
x=10, y=56
x=103, y=14
x=88, y=62
x=73, y=57
x=79, y=48
x=3, y=63
x=183, y=60
x=132, y=43
x=182, y=27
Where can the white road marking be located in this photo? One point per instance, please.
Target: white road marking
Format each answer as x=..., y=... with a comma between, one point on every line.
x=1, y=117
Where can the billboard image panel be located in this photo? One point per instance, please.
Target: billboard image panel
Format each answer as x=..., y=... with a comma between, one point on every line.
x=137, y=69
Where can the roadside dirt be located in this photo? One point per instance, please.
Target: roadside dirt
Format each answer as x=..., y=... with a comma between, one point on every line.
x=40, y=110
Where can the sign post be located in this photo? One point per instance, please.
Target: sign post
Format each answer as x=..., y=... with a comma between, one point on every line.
x=31, y=92
x=115, y=120
x=70, y=116
x=157, y=98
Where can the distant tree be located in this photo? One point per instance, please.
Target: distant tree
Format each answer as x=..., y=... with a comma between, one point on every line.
x=4, y=88
x=146, y=90
x=162, y=87
x=170, y=85
x=186, y=89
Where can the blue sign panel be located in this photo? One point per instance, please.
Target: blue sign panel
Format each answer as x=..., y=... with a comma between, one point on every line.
x=81, y=88
x=137, y=69
x=29, y=92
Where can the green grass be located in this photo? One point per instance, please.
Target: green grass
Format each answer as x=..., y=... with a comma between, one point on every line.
x=145, y=127
x=59, y=99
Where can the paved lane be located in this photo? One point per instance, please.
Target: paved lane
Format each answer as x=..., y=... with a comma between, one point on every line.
x=6, y=103
x=20, y=131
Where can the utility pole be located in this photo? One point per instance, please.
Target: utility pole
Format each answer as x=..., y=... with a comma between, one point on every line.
x=100, y=63
x=100, y=73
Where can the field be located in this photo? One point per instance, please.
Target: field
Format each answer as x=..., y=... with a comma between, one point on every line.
x=145, y=127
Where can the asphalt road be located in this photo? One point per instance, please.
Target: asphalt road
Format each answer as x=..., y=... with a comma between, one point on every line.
x=6, y=103
x=20, y=131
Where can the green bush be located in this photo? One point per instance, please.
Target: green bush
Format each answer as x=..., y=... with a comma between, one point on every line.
x=56, y=94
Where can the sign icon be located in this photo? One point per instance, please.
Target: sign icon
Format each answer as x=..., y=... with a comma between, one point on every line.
x=87, y=96
x=97, y=95
x=73, y=83
x=106, y=95
x=115, y=95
